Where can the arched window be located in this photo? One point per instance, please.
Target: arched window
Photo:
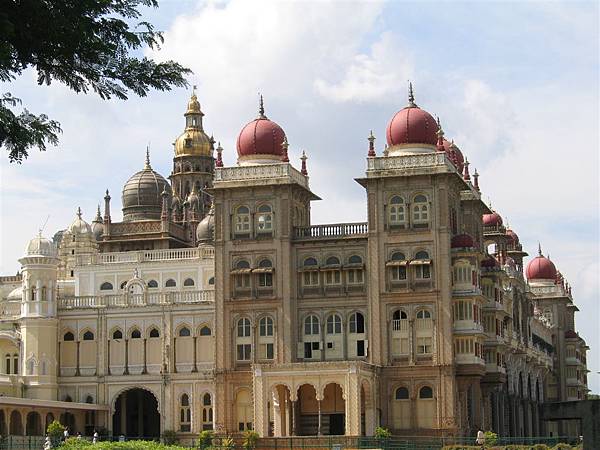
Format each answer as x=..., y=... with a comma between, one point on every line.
x=207, y=412
x=211, y=281
x=397, y=212
x=401, y=393
x=265, y=327
x=244, y=340
x=188, y=282
x=184, y=332
x=7, y=367
x=185, y=414
x=266, y=342
x=420, y=212
x=89, y=399
x=424, y=332
x=311, y=325
x=154, y=333
x=425, y=392
x=265, y=219
x=136, y=334
x=15, y=364
x=400, y=315
x=334, y=324
x=152, y=284
x=311, y=272
x=68, y=336
x=422, y=266
x=397, y=267
x=242, y=220
x=357, y=323
x=423, y=314
x=106, y=286
x=333, y=274
x=355, y=270
x=400, y=333
x=170, y=283
x=242, y=275
x=265, y=273
x=205, y=331
x=117, y=334
x=88, y=336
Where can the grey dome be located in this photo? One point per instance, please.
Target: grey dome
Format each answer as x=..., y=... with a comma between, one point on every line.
x=205, y=231
x=142, y=195
x=79, y=226
x=40, y=246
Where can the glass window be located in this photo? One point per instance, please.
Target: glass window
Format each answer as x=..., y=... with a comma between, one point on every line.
x=117, y=334
x=242, y=220
x=185, y=416
x=334, y=324
x=425, y=392
x=106, y=286
x=136, y=334
x=265, y=326
x=205, y=331
x=311, y=325
x=185, y=332
x=88, y=336
x=401, y=393
x=68, y=336
x=243, y=328
x=355, y=259
x=171, y=283
x=310, y=262
x=420, y=211
x=423, y=314
x=265, y=219
x=397, y=212
x=332, y=261
x=357, y=323
x=152, y=284
x=188, y=282
x=154, y=333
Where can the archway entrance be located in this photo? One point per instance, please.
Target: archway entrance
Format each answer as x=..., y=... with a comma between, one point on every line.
x=136, y=414
x=326, y=416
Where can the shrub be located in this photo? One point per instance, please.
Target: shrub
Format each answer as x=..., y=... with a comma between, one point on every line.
x=169, y=437
x=83, y=444
x=490, y=438
x=250, y=439
x=55, y=430
x=205, y=439
x=562, y=446
x=382, y=433
x=227, y=443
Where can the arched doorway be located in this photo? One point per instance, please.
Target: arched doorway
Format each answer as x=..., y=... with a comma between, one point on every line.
x=67, y=419
x=280, y=422
x=34, y=424
x=326, y=416
x=333, y=409
x=2, y=423
x=136, y=414
x=16, y=423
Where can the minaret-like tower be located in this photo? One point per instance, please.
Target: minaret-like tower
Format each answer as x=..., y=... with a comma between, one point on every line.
x=193, y=164
x=38, y=321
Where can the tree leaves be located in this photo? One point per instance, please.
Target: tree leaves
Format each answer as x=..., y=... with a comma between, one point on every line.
x=84, y=44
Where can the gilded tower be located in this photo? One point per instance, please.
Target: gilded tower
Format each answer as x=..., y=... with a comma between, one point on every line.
x=193, y=167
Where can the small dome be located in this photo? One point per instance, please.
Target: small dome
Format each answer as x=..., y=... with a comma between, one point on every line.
x=98, y=230
x=513, y=238
x=492, y=219
x=412, y=125
x=462, y=241
x=40, y=246
x=193, y=141
x=142, y=195
x=15, y=294
x=260, y=140
x=205, y=231
x=455, y=155
x=541, y=268
x=79, y=226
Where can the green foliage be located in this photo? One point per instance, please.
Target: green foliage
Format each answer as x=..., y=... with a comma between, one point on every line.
x=382, y=433
x=205, y=439
x=169, y=437
x=86, y=45
x=250, y=439
x=490, y=438
x=226, y=443
x=55, y=430
x=83, y=444
x=462, y=447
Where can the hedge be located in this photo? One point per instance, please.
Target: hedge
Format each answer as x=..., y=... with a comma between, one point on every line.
x=83, y=444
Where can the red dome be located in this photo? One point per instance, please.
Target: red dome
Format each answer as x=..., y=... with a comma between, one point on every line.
x=513, y=236
x=260, y=137
x=412, y=125
x=492, y=219
x=455, y=155
x=541, y=268
x=462, y=241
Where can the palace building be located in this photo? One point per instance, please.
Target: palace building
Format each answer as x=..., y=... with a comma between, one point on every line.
x=216, y=303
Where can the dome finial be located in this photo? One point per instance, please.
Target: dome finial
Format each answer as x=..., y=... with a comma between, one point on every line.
x=303, y=158
x=540, y=249
x=371, y=140
x=79, y=212
x=476, y=180
x=411, y=96
x=440, y=135
x=466, y=175
x=284, y=146
x=147, y=163
x=261, y=108
x=219, y=161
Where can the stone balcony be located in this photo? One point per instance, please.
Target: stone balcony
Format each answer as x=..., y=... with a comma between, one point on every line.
x=136, y=300
x=332, y=231
x=267, y=174
x=146, y=256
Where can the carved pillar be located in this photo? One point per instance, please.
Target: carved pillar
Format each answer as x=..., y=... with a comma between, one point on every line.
x=294, y=420
x=145, y=368
x=77, y=373
x=126, y=372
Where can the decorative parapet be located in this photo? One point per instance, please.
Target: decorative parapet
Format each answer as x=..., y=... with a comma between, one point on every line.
x=331, y=231
x=279, y=173
x=436, y=161
x=141, y=256
x=136, y=300
x=10, y=310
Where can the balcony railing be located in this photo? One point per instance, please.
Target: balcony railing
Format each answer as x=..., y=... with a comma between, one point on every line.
x=136, y=300
x=332, y=231
x=140, y=256
x=399, y=325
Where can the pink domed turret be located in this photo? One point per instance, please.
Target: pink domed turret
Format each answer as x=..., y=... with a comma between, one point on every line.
x=513, y=238
x=455, y=155
x=493, y=219
x=541, y=268
x=412, y=127
x=261, y=141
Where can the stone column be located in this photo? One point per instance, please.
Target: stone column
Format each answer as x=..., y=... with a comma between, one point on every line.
x=319, y=431
x=294, y=420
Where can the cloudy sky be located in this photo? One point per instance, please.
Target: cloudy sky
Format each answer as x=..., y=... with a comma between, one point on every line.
x=515, y=85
